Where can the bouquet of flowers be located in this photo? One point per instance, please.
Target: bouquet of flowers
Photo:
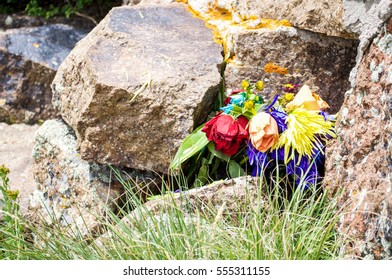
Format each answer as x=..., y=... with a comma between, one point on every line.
x=290, y=130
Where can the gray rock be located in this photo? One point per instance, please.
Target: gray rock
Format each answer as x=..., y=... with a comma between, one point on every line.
x=366, y=19
x=69, y=190
x=138, y=84
x=359, y=161
x=241, y=194
x=322, y=62
x=318, y=16
x=19, y=21
x=29, y=58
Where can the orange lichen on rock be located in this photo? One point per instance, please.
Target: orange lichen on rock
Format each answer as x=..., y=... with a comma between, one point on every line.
x=272, y=68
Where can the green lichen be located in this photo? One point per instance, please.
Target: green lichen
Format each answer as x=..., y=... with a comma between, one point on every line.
x=375, y=112
x=389, y=76
x=376, y=70
x=385, y=44
x=344, y=115
x=360, y=96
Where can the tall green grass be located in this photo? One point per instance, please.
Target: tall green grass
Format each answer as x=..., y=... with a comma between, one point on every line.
x=277, y=228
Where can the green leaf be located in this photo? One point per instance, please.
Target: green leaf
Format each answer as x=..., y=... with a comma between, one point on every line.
x=192, y=144
x=235, y=170
x=202, y=176
x=211, y=148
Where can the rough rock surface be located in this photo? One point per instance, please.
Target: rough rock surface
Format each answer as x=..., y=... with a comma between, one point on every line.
x=320, y=61
x=367, y=19
x=235, y=194
x=341, y=18
x=226, y=197
x=138, y=84
x=323, y=62
x=360, y=160
x=29, y=58
x=318, y=16
x=16, y=144
x=69, y=189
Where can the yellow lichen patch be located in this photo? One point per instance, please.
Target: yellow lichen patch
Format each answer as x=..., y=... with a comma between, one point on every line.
x=224, y=19
x=266, y=23
x=285, y=22
x=272, y=68
x=219, y=13
x=212, y=14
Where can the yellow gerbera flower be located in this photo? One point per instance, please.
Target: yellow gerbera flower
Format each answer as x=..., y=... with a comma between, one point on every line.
x=259, y=85
x=289, y=96
x=249, y=105
x=303, y=133
x=245, y=84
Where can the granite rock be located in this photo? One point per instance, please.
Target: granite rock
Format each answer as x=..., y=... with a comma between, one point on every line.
x=226, y=197
x=138, y=84
x=360, y=160
x=69, y=190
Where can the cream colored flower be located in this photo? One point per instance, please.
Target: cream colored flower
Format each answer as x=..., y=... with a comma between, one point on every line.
x=263, y=131
x=307, y=99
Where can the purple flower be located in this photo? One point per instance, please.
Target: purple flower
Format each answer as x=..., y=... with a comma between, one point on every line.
x=276, y=97
x=280, y=118
x=257, y=160
x=327, y=117
x=277, y=155
x=308, y=170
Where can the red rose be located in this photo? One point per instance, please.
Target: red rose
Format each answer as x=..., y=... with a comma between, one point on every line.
x=226, y=132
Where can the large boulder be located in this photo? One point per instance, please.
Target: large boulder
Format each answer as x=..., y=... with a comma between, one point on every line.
x=29, y=58
x=360, y=160
x=69, y=191
x=320, y=61
x=340, y=18
x=138, y=84
x=251, y=42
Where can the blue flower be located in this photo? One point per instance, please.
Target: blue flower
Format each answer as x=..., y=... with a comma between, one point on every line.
x=237, y=99
x=227, y=109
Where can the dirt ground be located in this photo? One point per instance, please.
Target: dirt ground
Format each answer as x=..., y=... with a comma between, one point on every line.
x=16, y=144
